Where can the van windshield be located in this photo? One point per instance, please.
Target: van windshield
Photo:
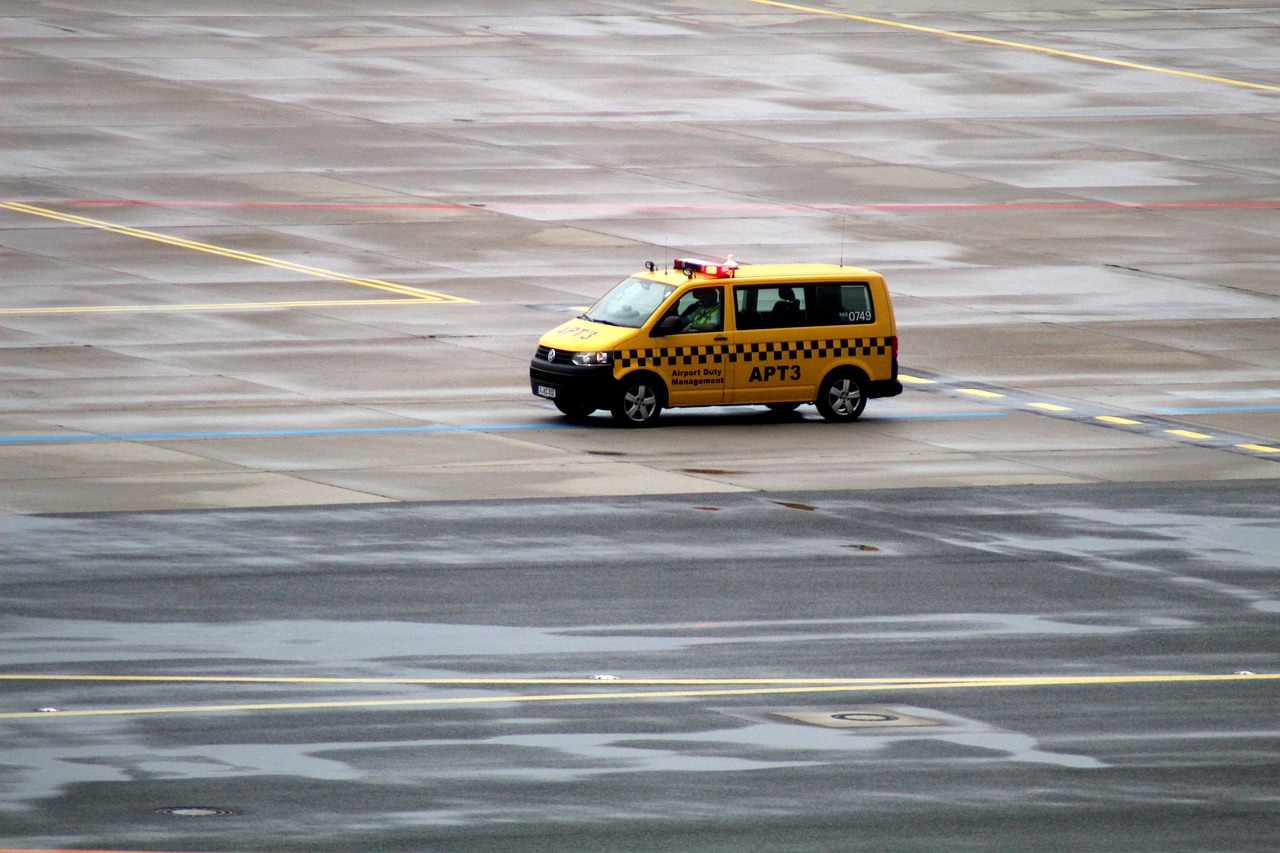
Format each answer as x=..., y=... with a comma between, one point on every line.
x=630, y=303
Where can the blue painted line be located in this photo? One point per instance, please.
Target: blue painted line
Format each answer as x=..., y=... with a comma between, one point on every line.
x=1192, y=411
x=940, y=415
x=266, y=433
x=293, y=433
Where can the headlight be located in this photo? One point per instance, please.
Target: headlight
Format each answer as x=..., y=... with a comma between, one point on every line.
x=589, y=358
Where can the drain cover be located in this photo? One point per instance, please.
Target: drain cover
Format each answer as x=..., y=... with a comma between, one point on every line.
x=858, y=718
x=194, y=811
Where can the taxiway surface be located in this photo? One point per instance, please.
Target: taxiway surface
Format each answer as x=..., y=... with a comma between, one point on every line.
x=292, y=560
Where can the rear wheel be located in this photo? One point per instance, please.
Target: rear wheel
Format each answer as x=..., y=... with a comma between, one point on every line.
x=842, y=396
x=637, y=401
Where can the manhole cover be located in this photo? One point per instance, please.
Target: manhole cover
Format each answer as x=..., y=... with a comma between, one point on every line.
x=858, y=718
x=865, y=717
x=194, y=811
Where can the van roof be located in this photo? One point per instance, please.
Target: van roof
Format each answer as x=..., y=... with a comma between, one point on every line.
x=753, y=272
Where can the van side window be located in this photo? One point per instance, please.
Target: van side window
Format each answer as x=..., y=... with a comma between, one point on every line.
x=842, y=304
x=786, y=306
x=772, y=307
x=745, y=313
x=699, y=310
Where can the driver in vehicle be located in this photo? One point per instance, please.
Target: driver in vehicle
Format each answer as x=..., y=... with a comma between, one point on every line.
x=706, y=315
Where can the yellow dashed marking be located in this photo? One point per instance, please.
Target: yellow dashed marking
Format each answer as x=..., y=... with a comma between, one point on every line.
x=1153, y=428
x=1186, y=433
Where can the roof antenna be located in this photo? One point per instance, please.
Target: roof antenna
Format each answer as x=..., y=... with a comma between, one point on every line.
x=843, y=221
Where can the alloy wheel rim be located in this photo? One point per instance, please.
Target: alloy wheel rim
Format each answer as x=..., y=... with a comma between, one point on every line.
x=845, y=396
x=639, y=403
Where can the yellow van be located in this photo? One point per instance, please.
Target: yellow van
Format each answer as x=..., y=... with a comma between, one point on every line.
x=704, y=333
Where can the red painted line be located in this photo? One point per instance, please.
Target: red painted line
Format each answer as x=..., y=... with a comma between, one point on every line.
x=66, y=850
x=1195, y=205
x=125, y=202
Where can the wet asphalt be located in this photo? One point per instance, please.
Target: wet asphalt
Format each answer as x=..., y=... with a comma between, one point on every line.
x=651, y=673
x=291, y=560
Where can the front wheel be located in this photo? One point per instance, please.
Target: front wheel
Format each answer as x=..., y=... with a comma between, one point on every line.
x=637, y=402
x=841, y=397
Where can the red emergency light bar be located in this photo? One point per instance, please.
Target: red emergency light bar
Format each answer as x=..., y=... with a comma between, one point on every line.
x=715, y=269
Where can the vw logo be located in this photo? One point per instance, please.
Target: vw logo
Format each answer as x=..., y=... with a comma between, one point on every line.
x=551, y=355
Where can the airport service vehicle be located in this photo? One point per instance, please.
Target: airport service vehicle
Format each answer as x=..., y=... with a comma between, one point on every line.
x=709, y=333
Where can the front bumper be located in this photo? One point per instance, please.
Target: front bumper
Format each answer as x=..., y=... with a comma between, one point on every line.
x=571, y=383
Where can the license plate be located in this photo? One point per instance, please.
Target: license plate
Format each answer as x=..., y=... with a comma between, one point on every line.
x=544, y=391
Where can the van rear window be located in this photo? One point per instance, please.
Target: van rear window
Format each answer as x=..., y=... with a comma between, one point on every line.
x=773, y=306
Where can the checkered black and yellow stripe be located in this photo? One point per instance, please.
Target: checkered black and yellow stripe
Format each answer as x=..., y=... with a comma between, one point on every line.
x=748, y=353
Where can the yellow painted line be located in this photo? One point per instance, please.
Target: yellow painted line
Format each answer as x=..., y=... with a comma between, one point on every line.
x=1263, y=448
x=915, y=380
x=270, y=679
x=857, y=685
x=451, y=700
x=210, y=306
x=1050, y=407
x=234, y=254
x=1019, y=45
x=481, y=681
x=1186, y=433
x=978, y=392
x=1112, y=419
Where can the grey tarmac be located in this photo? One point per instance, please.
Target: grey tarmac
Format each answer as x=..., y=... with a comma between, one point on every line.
x=292, y=560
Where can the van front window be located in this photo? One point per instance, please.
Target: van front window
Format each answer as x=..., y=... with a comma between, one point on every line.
x=630, y=303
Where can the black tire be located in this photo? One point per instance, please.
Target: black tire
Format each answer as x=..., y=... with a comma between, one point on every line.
x=842, y=396
x=574, y=411
x=638, y=401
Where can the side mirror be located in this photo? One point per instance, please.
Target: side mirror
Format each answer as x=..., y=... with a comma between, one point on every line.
x=667, y=326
